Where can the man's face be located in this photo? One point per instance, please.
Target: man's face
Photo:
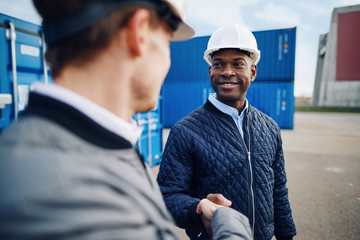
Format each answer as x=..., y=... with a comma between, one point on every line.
x=231, y=74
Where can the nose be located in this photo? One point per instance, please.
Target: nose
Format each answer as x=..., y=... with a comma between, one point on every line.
x=227, y=71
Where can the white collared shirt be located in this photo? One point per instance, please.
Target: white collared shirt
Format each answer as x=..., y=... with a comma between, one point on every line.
x=128, y=130
x=233, y=112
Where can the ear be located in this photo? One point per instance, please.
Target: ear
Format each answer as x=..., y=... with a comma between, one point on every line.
x=253, y=72
x=137, y=29
x=209, y=70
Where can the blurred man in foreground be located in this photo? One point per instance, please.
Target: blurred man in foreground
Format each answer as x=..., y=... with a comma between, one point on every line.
x=69, y=168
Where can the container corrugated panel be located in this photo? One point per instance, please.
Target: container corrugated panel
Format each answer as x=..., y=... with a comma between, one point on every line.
x=181, y=98
x=277, y=48
x=187, y=63
x=150, y=142
x=275, y=99
x=22, y=45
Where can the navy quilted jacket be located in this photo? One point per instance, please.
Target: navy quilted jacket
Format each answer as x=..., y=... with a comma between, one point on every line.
x=205, y=153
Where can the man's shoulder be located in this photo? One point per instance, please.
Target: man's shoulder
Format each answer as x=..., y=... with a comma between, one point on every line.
x=193, y=117
x=262, y=118
x=56, y=159
x=26, y=130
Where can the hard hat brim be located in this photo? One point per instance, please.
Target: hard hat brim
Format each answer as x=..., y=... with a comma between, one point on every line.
x=184, y=30
x=209, y=52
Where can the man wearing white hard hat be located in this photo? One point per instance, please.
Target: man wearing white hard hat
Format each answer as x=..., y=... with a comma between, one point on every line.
x=69, y=168
x=228, y=147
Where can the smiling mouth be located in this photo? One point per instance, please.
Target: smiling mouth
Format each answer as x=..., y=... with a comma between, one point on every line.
x=227, y=84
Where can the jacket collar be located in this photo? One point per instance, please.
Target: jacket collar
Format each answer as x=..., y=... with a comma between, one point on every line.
x=211, y=108
x=128, y=130
x=75, y=121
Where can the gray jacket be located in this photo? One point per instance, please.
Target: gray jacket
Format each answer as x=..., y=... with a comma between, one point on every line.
x=62, y=176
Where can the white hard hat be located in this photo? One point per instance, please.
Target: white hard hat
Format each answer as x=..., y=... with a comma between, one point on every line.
x=232, y=36
x=184, y=30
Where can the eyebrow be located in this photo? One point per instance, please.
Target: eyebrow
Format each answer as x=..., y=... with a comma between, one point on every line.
x=235, y=59
x=240, y=58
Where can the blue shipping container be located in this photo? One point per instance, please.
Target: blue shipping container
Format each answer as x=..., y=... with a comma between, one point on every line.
x=277, y=61
x=277, y=48
x=182, y=98
x=275, y=99
x=150, y=142
x=187, y=62
x=22, y=63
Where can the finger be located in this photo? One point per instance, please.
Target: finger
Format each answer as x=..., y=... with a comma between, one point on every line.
x=198, y=209
x=218, y=198
x=200, y=205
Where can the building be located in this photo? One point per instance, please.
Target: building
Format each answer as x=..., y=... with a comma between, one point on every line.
x=337, y=77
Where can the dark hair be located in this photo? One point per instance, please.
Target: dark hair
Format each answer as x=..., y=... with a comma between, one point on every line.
x=84, y=46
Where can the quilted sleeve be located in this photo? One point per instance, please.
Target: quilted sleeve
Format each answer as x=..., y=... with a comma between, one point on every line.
x=284, y=223
x=174, y=178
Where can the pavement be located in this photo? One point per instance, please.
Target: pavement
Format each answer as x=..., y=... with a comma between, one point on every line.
x=322, y=161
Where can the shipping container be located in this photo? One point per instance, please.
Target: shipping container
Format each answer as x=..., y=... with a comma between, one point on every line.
x=277, y=48
x=181, y=98
x=187, y=62
x=150, y=142
x=21, y=63
x=275, y=99
x=277, y=61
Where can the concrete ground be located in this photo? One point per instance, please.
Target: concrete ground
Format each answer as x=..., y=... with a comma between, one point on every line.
x=322, y=156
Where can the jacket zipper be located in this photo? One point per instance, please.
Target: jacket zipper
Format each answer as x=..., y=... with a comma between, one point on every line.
x=252, y=192
x=251, y=173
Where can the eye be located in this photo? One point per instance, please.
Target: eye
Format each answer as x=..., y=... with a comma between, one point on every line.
x=239, y=64
x=216, y=64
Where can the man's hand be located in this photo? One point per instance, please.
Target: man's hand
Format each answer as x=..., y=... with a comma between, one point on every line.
x=219, y=199
x=208, y=206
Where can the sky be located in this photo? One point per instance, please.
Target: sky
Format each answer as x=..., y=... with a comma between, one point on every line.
x=310, y=17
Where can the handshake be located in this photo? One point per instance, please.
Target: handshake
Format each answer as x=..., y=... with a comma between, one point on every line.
x=221, y=221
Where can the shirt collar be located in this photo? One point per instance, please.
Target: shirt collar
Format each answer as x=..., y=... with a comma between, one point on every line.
x=128, y=130
x=226, y=108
